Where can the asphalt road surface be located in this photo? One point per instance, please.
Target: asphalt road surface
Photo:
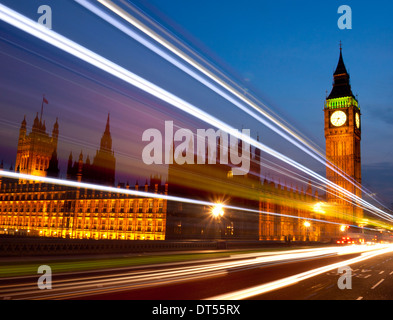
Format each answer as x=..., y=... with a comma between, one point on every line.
x=371, y=280
x=303, y=274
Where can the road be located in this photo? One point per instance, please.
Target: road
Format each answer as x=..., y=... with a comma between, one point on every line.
x=371, y=280
x=299, y=274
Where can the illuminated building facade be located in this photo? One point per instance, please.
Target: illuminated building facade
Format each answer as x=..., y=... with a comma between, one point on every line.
x=32, y=208
x=56, y=211
x=343, y=135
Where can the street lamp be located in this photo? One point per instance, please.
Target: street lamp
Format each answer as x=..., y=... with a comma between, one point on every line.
x=217, y=212
x=307, y=226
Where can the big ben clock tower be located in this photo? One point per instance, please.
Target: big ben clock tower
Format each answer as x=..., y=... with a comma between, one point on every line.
x=343, y=134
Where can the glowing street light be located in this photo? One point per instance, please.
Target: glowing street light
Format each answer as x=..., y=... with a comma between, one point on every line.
x=307, y=224
x=217, y=213
x=217, y=210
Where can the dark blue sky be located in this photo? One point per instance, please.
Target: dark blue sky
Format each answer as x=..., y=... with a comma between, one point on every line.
x=287, y=52
x=284, y=51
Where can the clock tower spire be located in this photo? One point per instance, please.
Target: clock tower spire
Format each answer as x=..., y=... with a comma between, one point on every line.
x=343, y=135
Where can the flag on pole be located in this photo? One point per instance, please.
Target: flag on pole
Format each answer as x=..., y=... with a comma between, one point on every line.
x=42, y=106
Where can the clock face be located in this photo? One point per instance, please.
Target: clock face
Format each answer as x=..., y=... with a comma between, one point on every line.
x=338, y=118
x=357, y=120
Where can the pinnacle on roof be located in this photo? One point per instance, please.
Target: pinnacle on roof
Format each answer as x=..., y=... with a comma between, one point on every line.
x=341, y=85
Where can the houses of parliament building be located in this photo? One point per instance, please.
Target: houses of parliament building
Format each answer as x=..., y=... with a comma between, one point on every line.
x=274, y=211
x=43, y=209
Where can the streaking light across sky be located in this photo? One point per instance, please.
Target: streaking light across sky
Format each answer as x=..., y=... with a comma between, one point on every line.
x=59, y=41
x=273, y=123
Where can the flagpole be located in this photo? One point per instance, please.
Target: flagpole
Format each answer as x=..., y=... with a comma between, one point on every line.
x=42, y=107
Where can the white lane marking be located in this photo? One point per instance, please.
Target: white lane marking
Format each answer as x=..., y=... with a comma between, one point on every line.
x=377, y=284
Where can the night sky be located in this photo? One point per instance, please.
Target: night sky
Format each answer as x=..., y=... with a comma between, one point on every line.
x=284, y=52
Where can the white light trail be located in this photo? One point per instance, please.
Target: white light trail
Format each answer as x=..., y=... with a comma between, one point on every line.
x=91, y=186
x=136, y=23
x=274, y=285
x=164, y=274
x=285, y=131
x=37, y=30
x=140, y=26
